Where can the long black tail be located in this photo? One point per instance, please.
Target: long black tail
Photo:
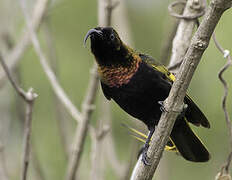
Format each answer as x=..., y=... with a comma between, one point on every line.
x=187, y=143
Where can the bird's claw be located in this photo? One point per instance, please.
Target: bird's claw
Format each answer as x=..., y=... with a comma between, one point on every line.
x=162, y=108
x=182, y=113
x=145, y=158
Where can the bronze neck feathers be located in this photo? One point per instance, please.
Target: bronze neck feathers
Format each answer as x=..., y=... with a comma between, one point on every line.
x=116, y=76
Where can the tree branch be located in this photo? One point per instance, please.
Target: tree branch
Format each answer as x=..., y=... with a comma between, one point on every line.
x=29, y=98
x=97, y=136
x=60, y=112
x=185, y=30
x=18, y=50
x=81, y=131
x=174, y=102
x=60, y=93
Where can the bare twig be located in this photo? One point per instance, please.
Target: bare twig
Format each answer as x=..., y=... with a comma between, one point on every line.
x=167, y=45
x=81, y=131
x=60, y=112
x=195, y=5
x=50, y=74
x=83, y=118
x=226, y=55
x=29, y=98
x=184, y=32
x=87, y=109
x=97, y=137
x=110, y=151
x=174, y=102
x=98, y=144
x=27, y=133
x=87, y=104
x=16, y=53
x=20, y=110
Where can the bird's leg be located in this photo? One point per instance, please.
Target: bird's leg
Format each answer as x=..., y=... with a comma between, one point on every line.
x=145, y=147
x=162, y=108
x=182, y=113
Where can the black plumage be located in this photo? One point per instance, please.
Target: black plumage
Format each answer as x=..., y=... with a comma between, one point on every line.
x=137, y=83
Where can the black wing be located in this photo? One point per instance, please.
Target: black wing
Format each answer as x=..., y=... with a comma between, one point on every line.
x=193, y=113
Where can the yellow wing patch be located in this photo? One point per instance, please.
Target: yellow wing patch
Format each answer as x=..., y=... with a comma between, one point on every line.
x=165, y=71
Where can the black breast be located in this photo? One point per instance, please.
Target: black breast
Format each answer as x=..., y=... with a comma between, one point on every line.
x=140, y=96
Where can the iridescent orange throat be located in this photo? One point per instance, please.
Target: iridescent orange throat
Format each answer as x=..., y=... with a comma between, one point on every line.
x=117, y=76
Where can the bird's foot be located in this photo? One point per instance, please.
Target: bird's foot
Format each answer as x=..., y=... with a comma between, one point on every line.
x=145, y=158
x=182, y=113
x=162, y=108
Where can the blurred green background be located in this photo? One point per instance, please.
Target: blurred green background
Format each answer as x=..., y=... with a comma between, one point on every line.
x=68, y=21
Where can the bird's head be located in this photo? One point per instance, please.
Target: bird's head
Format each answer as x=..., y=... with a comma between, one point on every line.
x=107, y=46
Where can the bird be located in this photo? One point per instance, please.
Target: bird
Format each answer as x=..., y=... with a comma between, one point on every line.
x=139, y=84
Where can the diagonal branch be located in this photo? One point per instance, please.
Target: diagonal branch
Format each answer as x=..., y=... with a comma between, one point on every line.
x=184, y=31
x=174, y=102
x=60, y=93
x=60, y=112
x=16, y=53
x=81, y=130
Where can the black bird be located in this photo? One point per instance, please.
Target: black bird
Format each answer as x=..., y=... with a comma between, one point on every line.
x=138, y=83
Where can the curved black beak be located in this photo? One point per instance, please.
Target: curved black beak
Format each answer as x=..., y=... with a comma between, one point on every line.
x=90, y=32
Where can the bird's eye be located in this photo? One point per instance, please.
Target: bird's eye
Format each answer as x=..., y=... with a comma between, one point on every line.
x=112, y=37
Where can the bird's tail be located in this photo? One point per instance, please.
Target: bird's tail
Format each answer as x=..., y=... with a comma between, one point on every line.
x=187, y=143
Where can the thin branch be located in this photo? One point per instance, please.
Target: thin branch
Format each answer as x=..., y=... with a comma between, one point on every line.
x=25, y=95
x=60, y=112
x=29, y=98
x=50, y=74
x=195, y=5
x=87, y=107
x=226, y=54
x=110, y=152
x=81, y=131
x=97, y=137
x=174, y=102
x=185, y=30
x=167, y=45
x=27, y=134
x=20, y=110
x=98, y=145
x=16, y=53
